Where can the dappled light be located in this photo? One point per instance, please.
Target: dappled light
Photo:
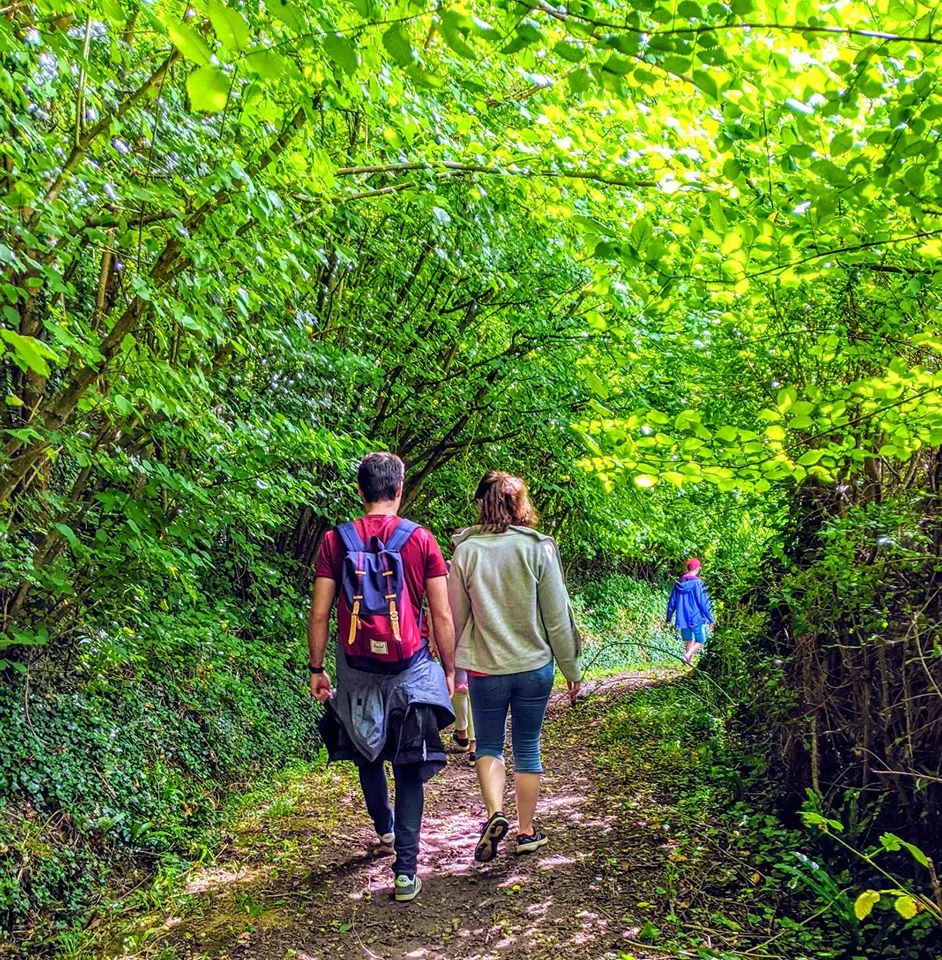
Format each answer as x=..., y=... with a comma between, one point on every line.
x=674, y=266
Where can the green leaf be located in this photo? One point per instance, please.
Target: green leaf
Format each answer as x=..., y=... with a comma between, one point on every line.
x=528, y=33
x=266, y=63
x=399, y=46
x=453, y=25
x=486, y=30
x=786, y=398
x=189, y=43
x=230, y=26
x=208, y=88
x=809, y=458
x=569, y=51
x=865, y=903
x=290, y=14
x=800, y=423
x=906, y=906
x=892, y=842
x=32, y=352
x=775, y=432
x=597, y=384
x=706, y=83
x=580, y=80
x=619, y=65
x=68, y=533
x=113, y=10
x=645, y=480
x=343, y=52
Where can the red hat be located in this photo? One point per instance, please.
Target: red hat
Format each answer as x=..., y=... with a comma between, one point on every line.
x=693, y=564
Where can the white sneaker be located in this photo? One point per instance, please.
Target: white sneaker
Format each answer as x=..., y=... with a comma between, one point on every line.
x=384, y=845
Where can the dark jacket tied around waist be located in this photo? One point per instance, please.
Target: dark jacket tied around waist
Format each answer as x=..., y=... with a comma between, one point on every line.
x=396, y=717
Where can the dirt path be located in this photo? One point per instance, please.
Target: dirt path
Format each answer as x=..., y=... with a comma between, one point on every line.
x=335, y=901
x=536, y=906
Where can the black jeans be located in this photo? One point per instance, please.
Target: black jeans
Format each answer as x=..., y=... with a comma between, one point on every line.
x=410, y=801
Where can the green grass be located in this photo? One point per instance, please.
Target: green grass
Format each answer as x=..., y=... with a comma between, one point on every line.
x=230, y=883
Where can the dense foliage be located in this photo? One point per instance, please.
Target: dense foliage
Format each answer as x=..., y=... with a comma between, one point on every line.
x=737, y=868
x=677, y=263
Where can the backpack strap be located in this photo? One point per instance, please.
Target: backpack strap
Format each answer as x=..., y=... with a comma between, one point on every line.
x=401, y=535
x=350, y=537
x=357, y=597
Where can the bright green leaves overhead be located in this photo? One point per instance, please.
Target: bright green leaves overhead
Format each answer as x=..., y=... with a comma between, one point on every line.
x=208, y=88
x=189, y=43
x=267, y=64
x=288, y=13
x=398, y=43
x=455, y=27
x=230, y=26
x=342, y=52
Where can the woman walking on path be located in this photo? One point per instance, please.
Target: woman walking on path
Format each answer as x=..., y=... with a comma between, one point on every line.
x=512, y=619
x=690, y=604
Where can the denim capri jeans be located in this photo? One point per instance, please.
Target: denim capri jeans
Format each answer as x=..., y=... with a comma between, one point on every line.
x=525, y=695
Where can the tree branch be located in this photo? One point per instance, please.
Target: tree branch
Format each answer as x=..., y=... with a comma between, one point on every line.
x=564, y=16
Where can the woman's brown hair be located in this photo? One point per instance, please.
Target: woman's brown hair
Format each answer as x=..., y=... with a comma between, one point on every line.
x=503, y=501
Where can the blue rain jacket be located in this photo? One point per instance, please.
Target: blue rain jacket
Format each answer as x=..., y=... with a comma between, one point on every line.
x=690, y=602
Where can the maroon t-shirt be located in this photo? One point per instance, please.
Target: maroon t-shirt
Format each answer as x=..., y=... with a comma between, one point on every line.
x=421, y=556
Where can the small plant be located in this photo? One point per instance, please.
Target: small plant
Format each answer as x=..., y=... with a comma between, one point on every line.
x=907, y=902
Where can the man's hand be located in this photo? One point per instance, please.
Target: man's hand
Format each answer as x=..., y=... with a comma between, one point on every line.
x=573, y=687
x=450, y=682
x=321, y=688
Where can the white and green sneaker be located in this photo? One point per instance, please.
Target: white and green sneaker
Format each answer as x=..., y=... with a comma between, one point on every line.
x=384, y=845
x=407, y=888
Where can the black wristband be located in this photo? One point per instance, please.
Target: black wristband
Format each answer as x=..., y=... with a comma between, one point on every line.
x=315, y=670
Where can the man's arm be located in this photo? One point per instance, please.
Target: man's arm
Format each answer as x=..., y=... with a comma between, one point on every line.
x=318, y=632
x=436, y=588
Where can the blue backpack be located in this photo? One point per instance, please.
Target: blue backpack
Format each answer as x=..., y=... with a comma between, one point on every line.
x=380, y=630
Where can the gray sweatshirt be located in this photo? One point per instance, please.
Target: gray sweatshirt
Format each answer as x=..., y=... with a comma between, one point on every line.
x=510, y=604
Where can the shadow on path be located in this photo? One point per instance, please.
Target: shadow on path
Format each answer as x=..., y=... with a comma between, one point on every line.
x=336, y=902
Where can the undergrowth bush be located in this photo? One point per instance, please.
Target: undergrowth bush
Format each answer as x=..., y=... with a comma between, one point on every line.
x=622, y=624
x=126, y=752
x=719, y=803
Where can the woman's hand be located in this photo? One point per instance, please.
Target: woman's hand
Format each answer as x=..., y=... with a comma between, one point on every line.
x=572, y=688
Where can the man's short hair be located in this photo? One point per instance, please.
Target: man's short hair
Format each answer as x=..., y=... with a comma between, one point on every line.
x=380, y=476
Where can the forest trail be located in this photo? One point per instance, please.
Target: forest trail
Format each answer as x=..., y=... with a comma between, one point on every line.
x=336, y=902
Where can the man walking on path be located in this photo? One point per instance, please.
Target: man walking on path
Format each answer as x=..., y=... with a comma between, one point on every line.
x=392, y=698
x=690, y=602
